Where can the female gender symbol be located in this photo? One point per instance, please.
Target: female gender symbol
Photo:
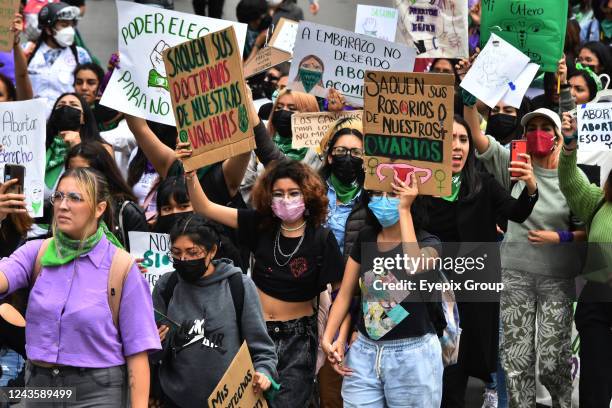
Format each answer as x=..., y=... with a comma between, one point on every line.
x=440, y=176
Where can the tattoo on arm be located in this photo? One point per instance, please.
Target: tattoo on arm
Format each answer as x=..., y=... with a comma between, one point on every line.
x=132, y=379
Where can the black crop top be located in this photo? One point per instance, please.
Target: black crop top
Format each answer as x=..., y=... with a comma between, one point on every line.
x=313, y=266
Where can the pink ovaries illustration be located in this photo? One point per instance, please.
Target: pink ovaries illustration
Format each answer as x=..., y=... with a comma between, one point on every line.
x=403, y=172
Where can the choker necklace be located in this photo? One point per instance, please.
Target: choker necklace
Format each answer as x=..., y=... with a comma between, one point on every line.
x=293, y=229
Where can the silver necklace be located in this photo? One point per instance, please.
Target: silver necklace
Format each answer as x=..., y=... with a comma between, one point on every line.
x=289, y=256
x=293, y=229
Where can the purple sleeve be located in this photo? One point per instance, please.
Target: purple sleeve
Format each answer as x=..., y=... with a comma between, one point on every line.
x=19, y=266
x=136, y=320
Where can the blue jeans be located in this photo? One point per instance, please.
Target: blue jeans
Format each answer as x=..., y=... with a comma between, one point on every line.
x=404, y=373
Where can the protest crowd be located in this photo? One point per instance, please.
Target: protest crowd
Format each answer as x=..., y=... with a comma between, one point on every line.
x=273, y=212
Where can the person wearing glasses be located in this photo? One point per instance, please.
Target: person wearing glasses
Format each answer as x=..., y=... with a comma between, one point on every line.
x=396, y=359
x=72, y=339
x=295, y=258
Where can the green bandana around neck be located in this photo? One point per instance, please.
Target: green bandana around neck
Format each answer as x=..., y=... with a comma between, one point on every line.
x=62, y=249
x=455, y=186
x=55, y=157
x=309, y=78
x=284, y=144
x=606, y=26
x=344, y=193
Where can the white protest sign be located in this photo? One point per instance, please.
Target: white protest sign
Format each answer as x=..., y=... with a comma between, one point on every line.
x=154, y=248
x=139, y=85
x=595, y=127
x=284, y=35
x=514, y=95
x=437, y=28
x=309, y=128
x=379, y=22
x=24, y=130
x=327, y=57
x=491, y=75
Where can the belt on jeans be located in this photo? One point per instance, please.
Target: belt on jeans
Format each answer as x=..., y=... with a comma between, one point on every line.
x=55, y=369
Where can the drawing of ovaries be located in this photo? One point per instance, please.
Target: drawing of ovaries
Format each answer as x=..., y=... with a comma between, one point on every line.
x=522, y=29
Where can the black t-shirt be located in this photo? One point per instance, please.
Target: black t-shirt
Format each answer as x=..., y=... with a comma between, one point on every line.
x=211, y=179
x=316, y=263
x=391, y=314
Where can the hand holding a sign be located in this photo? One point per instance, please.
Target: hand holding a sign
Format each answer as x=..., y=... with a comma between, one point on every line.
x=569, y=129
x=335, y=101
x=525, y=169
x=17, y=27
x=464, y=65
x=183, y=150
x=407, y=192
x=562, y=71
x=11, y=203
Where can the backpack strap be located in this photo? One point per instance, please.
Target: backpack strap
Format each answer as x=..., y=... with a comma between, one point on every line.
x=37, y=262
x=237, y=290
x=120, y=266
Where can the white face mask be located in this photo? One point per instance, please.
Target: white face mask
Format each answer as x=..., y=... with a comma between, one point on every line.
x=274, y=3
x=65, y=36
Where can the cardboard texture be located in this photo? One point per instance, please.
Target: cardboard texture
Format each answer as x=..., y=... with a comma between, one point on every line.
x=284, y=35
x=209, y=98
x=265, y=59
x=236, y=386
x=8, y=8
x=408, y=127
x=309, y=128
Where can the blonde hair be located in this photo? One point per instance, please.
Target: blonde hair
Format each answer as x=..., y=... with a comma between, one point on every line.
x=303, y=101
x=95, y=189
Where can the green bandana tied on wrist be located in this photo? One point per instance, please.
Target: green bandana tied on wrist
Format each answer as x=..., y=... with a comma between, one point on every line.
x=455, y=185
x=343, y=192
x=62, y=250
x=284, y=144
x=55, y=157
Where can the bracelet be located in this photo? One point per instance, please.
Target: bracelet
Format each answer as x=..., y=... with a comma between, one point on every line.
x=565, y=236
x=568, y=149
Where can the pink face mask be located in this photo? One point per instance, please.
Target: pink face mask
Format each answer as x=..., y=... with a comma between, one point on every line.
x=288, y=210
x=539, y=142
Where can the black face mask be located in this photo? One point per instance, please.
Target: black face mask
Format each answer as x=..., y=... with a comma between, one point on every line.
x=166, y=222
x=501, y=126
x=66, y=118
x=192, y=270
x=282, y=122
x=348, y=169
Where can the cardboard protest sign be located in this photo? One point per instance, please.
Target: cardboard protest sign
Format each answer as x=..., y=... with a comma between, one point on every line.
x=209, y=98
x=536, y=27
x=408, y=128
x=154, y=248
x=265, y=59
x=284, y=35
x=491, y=77
x=437, y=28
x=8, y=8
x=24, y=130
x=309, y=128
x=594, y=122
x=327, y=57
x=139, y=86
x=236, y=386
x=375, y=21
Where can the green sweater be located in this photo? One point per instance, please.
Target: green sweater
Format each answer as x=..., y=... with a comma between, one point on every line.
x=584, y=199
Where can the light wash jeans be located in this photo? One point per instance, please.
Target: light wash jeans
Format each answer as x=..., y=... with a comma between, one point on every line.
x=404, y=373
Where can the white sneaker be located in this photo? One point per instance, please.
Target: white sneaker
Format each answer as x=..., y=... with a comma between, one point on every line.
x=489, y=399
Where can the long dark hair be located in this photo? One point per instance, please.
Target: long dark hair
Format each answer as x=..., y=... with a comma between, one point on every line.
x=471, y=183
x=90, y=66
x=603, y=54
x=89, y=129
x=167, y=134
x=99, y=159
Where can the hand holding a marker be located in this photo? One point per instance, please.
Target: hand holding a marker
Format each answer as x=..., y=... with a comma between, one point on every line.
x=569, y=131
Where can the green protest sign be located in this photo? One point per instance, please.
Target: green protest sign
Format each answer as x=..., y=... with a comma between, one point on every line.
x=536, y=27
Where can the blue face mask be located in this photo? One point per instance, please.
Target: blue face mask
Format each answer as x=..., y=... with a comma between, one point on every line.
x=386, y=210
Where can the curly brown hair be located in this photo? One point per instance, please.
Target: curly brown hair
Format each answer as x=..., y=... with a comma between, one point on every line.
x=311, y=185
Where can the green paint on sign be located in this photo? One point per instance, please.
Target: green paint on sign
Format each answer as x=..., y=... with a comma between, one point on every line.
x=309, y=78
